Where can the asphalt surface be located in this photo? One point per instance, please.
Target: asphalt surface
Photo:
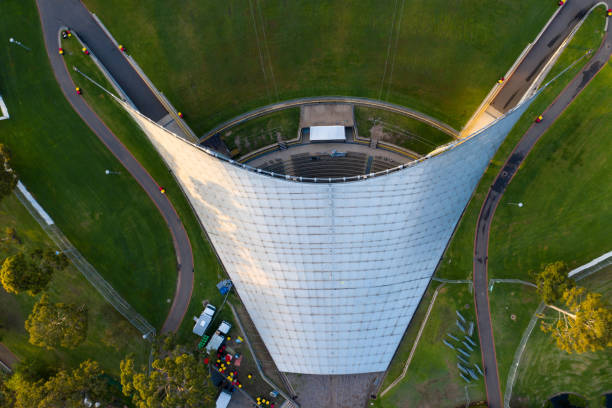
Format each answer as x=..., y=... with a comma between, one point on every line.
x=527, y=71
x=74, y=15
x=496, y=191
x=57, y=13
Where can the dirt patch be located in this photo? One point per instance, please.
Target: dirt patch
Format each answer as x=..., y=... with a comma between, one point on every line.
x=333, y=391
x=333, y=114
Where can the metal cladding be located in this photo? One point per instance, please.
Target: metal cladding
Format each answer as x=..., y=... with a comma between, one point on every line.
x=330, y=273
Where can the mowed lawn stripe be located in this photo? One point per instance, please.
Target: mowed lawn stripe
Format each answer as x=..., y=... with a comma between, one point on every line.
x=205, y=55
x=110, y=219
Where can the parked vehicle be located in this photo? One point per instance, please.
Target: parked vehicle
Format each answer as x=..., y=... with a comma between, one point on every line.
x=204, y=320
x=217, y=339
x=224, y=399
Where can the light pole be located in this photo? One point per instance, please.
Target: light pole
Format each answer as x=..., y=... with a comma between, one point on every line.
x=109, y=172
x=517, y=204
x=14, y=41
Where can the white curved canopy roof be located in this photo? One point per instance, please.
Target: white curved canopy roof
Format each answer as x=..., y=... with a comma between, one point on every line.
x=330, y=273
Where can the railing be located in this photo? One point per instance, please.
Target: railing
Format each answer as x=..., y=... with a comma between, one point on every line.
x=88, y=271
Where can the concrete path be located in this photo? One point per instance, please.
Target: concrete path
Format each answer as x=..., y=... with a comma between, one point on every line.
x=541, y=52
x=7, y=358
x=496, y=191
x=371, y=103
x=57, y=13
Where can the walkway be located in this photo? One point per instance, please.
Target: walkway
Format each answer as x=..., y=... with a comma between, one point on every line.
x=540, y=53
x=531, y=66
x=497, y=189
x=57, y=13
x=367, y=102
x=7, y=358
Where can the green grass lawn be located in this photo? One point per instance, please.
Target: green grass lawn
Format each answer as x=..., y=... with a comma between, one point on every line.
x=399, y=130
x=207, y=269
x=545, y=370
x=563, y=185
x=263, y=131
x=512, y=306
x=566, y=187
x=566, y=165
x=433, y=378
x=110, y=219
x=109, y=336
x=215, y=60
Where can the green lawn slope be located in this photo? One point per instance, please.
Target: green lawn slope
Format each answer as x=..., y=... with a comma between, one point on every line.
x=566, y=174
x=109, y=336
x=110, y=219
x=207, y=269
x=545, y=370
x=215, y=60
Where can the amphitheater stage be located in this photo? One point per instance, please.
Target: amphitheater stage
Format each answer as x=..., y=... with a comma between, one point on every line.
x=316, y=160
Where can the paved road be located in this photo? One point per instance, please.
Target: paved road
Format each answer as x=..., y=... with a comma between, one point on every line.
x=372, y=103
x=71, y=13
x=527, y=71
x=497, y=189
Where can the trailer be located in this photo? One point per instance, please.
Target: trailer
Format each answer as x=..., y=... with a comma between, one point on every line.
x=204, y=320
x=217, y=339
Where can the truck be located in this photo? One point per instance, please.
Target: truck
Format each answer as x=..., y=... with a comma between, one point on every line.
x=217, y=339
x=224, y=399
x=204, y=320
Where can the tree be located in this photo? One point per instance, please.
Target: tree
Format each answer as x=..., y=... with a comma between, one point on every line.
x=7, y=397
x=64, y=389
x=33, y=369
x=8, y=178
x=177, y=380
x=49, y=258
x=553, y=281
x=19, y=274
x=31, y=272
x=52, y=325
x=586, y=325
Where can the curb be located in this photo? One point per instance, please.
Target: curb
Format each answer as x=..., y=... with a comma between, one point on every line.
x=160, y=96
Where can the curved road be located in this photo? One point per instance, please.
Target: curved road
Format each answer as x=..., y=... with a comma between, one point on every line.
x=372, y=103
x=497, y=189
x=540, y=54
x=57, y=13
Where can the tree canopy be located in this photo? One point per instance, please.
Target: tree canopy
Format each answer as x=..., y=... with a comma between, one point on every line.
x=586, y=325
x=64, y=389
x=7, y=397
x=8, y=178
x=553, y=281
x=53, y=325
x=177, y=380
x=31, y=272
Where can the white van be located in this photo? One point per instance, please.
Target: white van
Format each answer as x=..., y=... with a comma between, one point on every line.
x=224, y=399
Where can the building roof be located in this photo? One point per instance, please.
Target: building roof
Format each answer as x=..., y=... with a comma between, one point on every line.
x=331, y=274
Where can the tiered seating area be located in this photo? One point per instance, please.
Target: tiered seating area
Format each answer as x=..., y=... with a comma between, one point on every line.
x=381, y=163
x=324, y=165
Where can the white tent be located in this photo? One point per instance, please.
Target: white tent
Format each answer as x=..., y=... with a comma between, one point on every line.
x=318, y=133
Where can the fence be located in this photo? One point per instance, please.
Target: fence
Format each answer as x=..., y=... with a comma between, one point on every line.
x=88, y=271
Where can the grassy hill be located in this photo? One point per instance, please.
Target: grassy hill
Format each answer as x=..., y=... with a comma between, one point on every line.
x=215, y=60
x=110, y=219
